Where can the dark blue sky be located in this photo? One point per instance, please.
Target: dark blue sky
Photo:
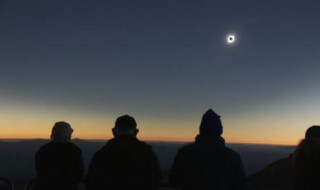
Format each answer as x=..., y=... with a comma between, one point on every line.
x=160, y=59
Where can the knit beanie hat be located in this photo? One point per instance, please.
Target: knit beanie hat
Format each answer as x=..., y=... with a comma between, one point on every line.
x=211, y=124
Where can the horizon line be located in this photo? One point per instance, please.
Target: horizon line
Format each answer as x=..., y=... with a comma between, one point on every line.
x=165, y=141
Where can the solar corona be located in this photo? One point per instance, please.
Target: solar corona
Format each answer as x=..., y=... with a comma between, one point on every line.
x=231, y=38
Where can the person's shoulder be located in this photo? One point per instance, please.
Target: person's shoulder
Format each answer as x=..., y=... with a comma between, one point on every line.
x=311, y=145
x=73, y=147
x=45, y=147
x=231, y=153
x=145, y=151
x=144, y=146
x=281, y=163
x=102, y=152
x=64, y=147
x=187, y=148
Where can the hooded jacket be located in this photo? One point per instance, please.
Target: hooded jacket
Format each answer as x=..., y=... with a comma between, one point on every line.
x=207, y=165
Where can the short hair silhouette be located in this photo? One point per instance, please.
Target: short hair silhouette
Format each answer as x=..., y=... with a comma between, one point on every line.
x=124, y=162
x=313, y=132
x=125, y=125
x=125, y=122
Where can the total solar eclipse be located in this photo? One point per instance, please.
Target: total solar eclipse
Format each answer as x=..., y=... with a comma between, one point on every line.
x=231, y=38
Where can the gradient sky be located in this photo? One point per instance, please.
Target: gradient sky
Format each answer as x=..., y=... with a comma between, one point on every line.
x=165, y=62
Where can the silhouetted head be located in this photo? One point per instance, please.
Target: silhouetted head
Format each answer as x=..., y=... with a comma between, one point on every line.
x=125, y=125
x=313, y=132
x=61, y=132
x=211, y=124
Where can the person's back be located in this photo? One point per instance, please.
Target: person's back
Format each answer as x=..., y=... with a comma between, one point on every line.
x=277, y=175
x=59, y=165
x=207, y=164
x=307, y=165
x=283, y=174
x=204, y=165
x=124, y=163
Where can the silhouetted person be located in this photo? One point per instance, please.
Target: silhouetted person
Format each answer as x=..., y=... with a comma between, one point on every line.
x=207, y=164
x=124, y=162
x=307, y=161
x=281, y=173
x=59, y=163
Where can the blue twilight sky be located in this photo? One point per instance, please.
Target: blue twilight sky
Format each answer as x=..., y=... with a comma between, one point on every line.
x=162, y=61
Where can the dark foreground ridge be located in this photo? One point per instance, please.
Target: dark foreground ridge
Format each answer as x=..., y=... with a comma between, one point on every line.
x=18, y=156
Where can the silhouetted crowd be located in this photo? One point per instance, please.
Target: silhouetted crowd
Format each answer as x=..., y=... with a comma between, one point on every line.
x=126, y=163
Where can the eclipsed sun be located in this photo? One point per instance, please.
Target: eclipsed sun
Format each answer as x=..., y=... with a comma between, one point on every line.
x=231, y=38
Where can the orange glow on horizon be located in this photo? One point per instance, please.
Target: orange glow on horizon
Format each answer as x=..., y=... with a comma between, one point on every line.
x=27, y=124
x=146, y=138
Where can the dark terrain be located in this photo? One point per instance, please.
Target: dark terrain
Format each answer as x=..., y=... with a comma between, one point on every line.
x=17, y=157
